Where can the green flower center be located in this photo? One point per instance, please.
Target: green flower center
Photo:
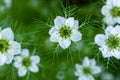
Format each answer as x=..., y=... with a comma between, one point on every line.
x=115, y=11
x=4, y=45
x=65, y=31
x=26, y=62
x=113, y=42
x=87, y=70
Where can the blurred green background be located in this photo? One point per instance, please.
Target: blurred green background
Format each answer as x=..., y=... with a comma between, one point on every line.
x=31, y=20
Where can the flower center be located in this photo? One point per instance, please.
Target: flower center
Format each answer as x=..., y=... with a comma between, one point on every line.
x=26, y=62
x=115, y=11
x=65, y=31
x=87, y=70
x=113, y=42
x=4, y=45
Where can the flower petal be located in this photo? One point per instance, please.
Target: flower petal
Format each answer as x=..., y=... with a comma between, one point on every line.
x=96, y=70
x=109, y=20
x=106, y=9
x=86, y=61
x=9, y=59
x=35, y=59
x=76, y=36
x=55, y=37
x=65, y=43
x=116, y=30
x=22, y=71
x=16, y=47
x=76, y=25
x=108, y=30
x=52, y=30
x=78, y=66
x=2, y=59
x=25, y=53
x=7, y=33
x=17, y=64
x=100, y=39
x=70, y=22
x=59, y=21
x=18, y=59
x=105, y=52
x=116, y=54
x=34, y=68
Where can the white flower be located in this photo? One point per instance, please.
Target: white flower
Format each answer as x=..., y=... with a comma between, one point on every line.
x=8, y=47
x=111, y=11
x=87, y=70
x=64, y=31
x=109, y=42
x=25, y=62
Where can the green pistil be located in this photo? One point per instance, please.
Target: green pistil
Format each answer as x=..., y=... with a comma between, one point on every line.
x=113, y=42
x=87, y=70
x=65, y=32
x=4, y=45
x=26, y=62
x=115, y=11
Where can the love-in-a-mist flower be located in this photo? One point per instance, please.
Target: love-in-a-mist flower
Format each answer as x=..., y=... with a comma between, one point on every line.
x=87, y=70
x=64, y=31
x=8, y=47
x=111, y=11
x=109, y=42
x=25, y=63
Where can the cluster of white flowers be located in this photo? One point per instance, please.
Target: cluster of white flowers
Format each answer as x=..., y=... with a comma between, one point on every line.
x=110, y=41
x=87, y=70
x=9, y=48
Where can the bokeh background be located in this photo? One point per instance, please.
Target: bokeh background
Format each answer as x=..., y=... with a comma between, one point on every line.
x=31, y=20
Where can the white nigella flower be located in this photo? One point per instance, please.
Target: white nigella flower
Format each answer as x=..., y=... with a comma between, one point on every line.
x=64, y=31
x=111, y=11
x=87, y=70
x=109, y=42
x=25, y=63
x=8, y=47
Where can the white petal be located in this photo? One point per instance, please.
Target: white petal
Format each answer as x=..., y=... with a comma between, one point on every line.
x=70, y=22
x=108, y=30
x=22, y=71
x=92, y=62
x=18, y=59
x=76, y=36
x=109, y=20
x=116, y=30
x=59, y=21
x=55, y=37
x=76, y=25
x=100, y=39
x=7, y=33
x=105, y=52
x=116, y=54
x=96, y=70
x=106, y=9
x=9, y=59
x=34, y=68
x=25, y=53
x=2, y=59
x=116, y=3
x=86, y=61
x=86, y=78
x=78, y=66
x=17, y=64
x=16, y=47
x=52, y=30
x=35, y=59
x=65, y=43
